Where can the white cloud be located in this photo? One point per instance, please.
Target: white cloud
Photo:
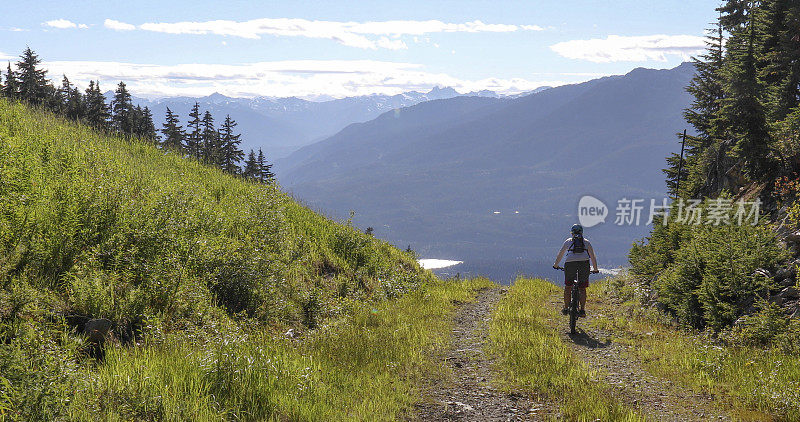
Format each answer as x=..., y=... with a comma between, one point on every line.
x=384, y=42
x=353, y=34
x=83, y=26
x=617, y=48
x=118, y=26
x=302, y=78
x=61, y=24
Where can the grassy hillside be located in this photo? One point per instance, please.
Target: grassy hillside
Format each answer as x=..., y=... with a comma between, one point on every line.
x=189, y=264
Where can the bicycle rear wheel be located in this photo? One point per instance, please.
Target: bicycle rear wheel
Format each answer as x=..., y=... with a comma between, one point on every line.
x=573, y=311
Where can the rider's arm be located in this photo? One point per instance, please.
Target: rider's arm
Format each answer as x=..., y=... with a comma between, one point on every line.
x=561, y=254
x=592, y=256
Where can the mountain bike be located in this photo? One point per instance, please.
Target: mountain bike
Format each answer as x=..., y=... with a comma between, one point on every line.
x=574, y=303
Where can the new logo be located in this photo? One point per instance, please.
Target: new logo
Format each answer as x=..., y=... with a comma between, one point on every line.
x=591, y=211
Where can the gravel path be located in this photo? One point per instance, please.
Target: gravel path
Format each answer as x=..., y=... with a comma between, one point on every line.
x=657, y=398
x=468, y=395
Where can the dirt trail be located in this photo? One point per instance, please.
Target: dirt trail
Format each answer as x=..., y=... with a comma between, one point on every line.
x=655, y=397
x=468, y=395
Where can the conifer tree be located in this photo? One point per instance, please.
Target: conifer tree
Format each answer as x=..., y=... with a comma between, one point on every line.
x=173, y=132
x=209, y=136
x=251, y=169
x=742, y=109
x=97, y=113
x=122, y=119
x=142, y=124
x=265, y=174
x=73, y=103
x=702, y=170
x=148, y=128
x=62, y=93
x=32, y=80
x=194, y=132
x=11, y=86
x=779, y=64
x=229, y=141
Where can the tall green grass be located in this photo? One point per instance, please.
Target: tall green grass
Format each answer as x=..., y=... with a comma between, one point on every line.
x=532, y=357
x=178, y=255
x=757, y=383
x=363, y=367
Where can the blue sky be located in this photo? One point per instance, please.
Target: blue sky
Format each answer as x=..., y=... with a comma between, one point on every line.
x=341, y=48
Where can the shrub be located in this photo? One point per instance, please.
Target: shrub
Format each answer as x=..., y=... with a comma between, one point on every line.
x=730, y=282
x=760, y=328
x=705, y=274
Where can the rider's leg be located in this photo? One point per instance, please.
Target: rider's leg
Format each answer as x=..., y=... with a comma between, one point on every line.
x=583, y=297
x=583, y=282
x=567, y=296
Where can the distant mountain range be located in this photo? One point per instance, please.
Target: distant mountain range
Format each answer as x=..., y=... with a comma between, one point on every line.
x=283, y=125
x=495, y=182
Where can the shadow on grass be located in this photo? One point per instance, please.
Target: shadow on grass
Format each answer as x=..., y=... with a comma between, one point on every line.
x=582, y=338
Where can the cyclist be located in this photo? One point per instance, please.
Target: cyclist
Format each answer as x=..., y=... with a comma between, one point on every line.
x=576, y=264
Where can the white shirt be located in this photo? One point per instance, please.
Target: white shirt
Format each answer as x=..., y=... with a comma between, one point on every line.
x=571, y=255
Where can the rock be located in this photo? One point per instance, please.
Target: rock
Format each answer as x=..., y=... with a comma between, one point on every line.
x=460, y=407
x=745, y=302
x=777, y=299
x=762, y=272
x=785, y=273
x=97, y=329
x=789, y=293
x=793, y=237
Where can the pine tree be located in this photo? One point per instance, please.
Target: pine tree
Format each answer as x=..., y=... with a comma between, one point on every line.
x=73, y=101
x=11, y=86
x=97, y=113
x=32, y=80
x=700, y=174
x=229, y=141
x=779, y=55
x=63, y=94
x=265, y=174
x=251, y=169
x=173, y=132
x=209, y=136
x=742, y=110
x=193, y=132
x=142, y=124
x=735, y=14
x=122, y=119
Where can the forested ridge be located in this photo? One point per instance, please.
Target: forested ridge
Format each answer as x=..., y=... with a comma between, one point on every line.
x=200, y=138
x=745, y=110
x=739, y=280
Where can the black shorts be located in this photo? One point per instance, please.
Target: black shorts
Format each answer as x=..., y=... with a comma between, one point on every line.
x=579, y=269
